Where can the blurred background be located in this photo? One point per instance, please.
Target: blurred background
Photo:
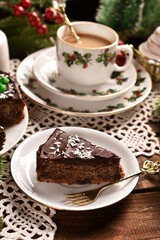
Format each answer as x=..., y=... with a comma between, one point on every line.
x=134, y=20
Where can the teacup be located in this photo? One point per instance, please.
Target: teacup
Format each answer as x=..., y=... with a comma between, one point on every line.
x=90, y=61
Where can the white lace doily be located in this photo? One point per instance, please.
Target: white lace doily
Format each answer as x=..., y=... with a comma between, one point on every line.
x=25, y=219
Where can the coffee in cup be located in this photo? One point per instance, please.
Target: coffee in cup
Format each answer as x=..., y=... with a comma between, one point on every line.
x=87, y=41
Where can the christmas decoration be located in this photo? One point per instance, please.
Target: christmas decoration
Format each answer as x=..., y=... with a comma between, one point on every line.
x=1, y=223
x=130, y=18
x=156, y=106
x=21, y=9
x=3, y=82
x=4, y=171
x=4, y=168
x=120, y=58
x=30, y=29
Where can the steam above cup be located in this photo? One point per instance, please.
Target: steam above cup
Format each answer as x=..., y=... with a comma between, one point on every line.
x=91, y=60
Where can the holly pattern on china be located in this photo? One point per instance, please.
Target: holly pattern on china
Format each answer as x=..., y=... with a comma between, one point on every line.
x=106, y=57
x=77, y=59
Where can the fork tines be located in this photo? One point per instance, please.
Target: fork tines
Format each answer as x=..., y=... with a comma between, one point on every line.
x=78, y=199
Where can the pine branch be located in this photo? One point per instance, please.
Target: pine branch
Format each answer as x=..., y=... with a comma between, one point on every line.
x=4, y=168
x=156, y=106
x=1, y=223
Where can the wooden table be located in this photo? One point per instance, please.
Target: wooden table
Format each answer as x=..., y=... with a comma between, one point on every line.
x=136, y=217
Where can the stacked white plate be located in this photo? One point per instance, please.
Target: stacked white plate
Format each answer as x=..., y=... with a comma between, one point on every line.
x=41, y=81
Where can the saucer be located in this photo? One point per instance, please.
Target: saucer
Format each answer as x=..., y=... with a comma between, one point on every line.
x=46, y=72
x=60, y=103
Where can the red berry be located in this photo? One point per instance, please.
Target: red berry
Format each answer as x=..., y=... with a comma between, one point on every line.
x=26, y=3
x=50, y=13
x=120, y=59
x=72, y=57
x=120, y=42
x=59, y=18
x=18, y=11
x=85, y=65
x=36, y=23
x=106, y=50
x=42, y=29
x=32, y=16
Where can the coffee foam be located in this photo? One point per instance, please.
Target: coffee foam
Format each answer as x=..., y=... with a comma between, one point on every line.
x=151, y=47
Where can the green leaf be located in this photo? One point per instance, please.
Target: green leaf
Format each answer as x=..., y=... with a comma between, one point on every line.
x=119, y=82
x=108, y=55
x=78, y=56
x=4, y=168
x=79, y=62
x=66, y=55
x=124, y=79
x=87, y=55
x=1, y=223
x=69, y=62
x=74, y=92
x=99, y=59
x=139, y=81
x=105, y=61
x=114, y=54
x=115, y=74
x=156, y=106
x=23, y=39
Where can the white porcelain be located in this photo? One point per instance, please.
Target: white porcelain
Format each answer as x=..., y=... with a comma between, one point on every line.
x=15, y=133
x=45, y=71
x=87, y=68
x=63, y=104
x=23, y=169
x=151, y=47
x=4, y=52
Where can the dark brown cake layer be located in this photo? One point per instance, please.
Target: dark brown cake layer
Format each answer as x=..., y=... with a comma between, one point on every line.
x=2, y=137
x=11, y=103
x=71, y=159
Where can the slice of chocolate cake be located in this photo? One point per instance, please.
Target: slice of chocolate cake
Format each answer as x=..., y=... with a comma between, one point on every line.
x=74, y=160
x=11, y=101
x=2, y=137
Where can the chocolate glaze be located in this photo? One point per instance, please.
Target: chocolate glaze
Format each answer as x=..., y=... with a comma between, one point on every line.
x=62, y=145
x=13, y=91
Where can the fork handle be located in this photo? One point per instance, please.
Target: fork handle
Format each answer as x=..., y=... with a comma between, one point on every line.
x=149, y=167
x=122, y=179
x=131, y=175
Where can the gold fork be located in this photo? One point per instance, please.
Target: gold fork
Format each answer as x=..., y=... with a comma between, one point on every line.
x=87, y=197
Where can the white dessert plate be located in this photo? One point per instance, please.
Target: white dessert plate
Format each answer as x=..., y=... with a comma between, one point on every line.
x=23, y=169
x=61, y=103
x=15, y=132
x=45, y=71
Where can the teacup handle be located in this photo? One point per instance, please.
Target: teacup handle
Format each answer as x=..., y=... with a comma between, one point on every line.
x=128, y=59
